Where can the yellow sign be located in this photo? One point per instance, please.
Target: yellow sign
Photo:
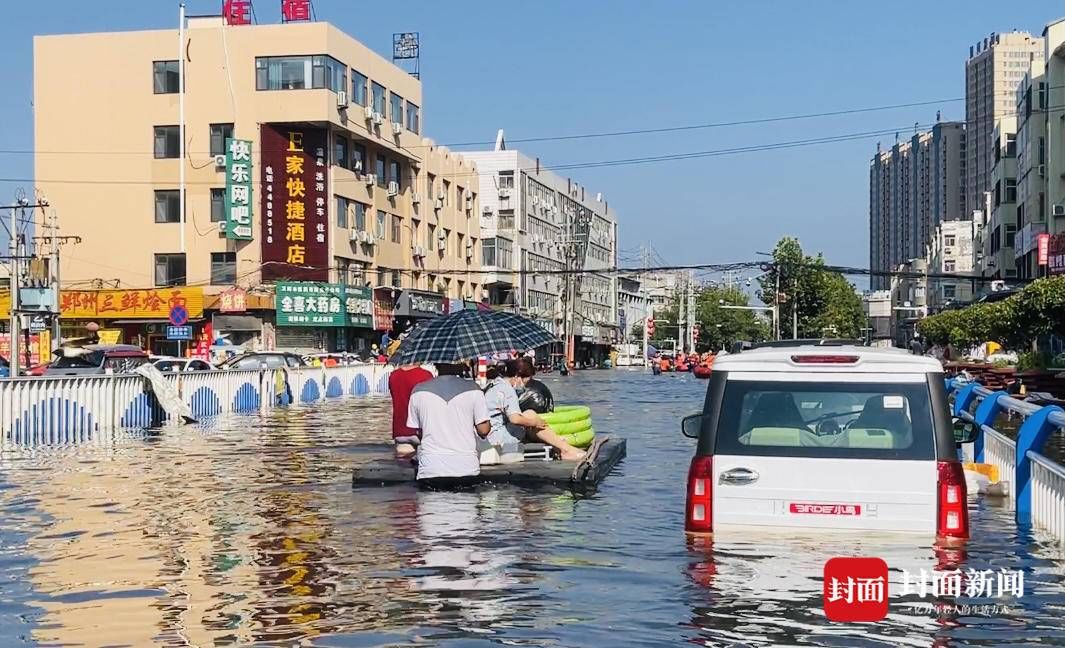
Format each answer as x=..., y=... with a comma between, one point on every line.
x=109, y=336
x=153, y=303
x=44, y=346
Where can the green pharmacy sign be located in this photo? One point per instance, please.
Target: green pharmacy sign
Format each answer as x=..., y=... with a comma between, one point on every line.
x=238, y=189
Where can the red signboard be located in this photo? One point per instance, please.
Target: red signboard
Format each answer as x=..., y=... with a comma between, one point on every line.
x=292, y=10
x=1054, y=258
x=384, y=307
x=237, y=12
x=295, y=243
x=1043, y=245
x=234, y=300
x=35, y=351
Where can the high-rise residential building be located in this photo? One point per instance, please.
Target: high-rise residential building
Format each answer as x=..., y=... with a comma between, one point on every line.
x=913, y=187
x=994, y=69
x=535, y=223
x=997, y=260
x=304, y=160
x=1031, y=171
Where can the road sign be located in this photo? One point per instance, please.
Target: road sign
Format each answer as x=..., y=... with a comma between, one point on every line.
x=179, y=332
x=179, y=316
x=37, y=324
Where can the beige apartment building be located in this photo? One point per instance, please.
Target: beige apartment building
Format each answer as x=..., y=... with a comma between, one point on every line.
x=993, y=71
x=380, y=206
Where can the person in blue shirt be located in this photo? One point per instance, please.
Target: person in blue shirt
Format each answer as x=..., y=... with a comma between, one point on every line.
x=510, y=425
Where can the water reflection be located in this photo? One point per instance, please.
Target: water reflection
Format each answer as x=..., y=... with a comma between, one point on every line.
x=248, y=532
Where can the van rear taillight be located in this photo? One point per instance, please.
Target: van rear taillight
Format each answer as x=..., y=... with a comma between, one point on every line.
x=952, y=518
x=824, y=359
x=698, y=516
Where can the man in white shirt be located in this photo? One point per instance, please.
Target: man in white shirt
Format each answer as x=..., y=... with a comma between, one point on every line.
x=451, y=413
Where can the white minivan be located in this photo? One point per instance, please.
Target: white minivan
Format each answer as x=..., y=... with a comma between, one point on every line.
x=808, y=436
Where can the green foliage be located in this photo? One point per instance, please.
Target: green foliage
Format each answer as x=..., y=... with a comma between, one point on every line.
x=1038, y=309
x=827, y=303
x=1033, y=360
x=720, y=327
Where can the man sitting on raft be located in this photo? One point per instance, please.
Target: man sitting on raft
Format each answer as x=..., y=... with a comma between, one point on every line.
x=511, y=425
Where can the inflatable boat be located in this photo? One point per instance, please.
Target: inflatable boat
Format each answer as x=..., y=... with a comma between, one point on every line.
x=702, y=371
x=536, y=470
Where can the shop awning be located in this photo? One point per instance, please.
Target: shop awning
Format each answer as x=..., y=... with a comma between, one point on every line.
x=237, y=323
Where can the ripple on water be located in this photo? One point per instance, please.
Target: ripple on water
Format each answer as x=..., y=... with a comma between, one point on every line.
x=247, y=531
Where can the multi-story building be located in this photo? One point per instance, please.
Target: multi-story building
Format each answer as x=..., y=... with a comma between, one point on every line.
x=913, y=187
x=998, y=235
x=536, y=224
x=950, y=252
x=1054, y=38
x=633, y=306
x=303, y=160
x=1031, y=171
x=993, y=71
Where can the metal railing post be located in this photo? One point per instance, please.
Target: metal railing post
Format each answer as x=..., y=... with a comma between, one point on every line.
x=986, y=413
x=1031, y=436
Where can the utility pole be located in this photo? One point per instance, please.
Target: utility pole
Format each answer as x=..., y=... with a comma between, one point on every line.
x=53, y=241
x=16, y=271
x=776, y=304
x=181, y=121
x=795, y=311
x=689, y=337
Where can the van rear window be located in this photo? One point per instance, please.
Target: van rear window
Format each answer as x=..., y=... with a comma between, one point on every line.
x=844, y=420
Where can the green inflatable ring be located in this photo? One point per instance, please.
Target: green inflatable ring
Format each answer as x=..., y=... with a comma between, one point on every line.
x=567, y=414
x=573, y=427
x=581, y=439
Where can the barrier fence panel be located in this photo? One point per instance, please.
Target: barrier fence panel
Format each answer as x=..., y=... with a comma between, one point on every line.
x=1048, y=495
x=1036, y=483
x=1000, y=451
x=77, y=409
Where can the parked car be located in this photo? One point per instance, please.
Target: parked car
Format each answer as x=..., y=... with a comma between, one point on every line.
x=264, y=360
x=96, y=359
x=827, y=438
x=168, y=364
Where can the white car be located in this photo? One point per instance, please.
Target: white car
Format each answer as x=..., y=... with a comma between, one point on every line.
x=174, y=365
x=806, y=436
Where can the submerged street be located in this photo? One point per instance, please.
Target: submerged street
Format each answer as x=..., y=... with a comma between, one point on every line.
x=246, y=530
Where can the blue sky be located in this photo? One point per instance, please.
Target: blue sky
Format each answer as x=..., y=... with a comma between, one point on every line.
x=561, y=67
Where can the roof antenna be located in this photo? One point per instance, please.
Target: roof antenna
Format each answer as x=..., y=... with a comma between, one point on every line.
x=939, y=115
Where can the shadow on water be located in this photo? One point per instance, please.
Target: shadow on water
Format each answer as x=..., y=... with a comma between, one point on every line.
x=247, y=531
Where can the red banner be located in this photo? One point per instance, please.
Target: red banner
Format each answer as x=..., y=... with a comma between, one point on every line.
x=384, y=307
x=35, y=352
x=295, y=225
x=1055, y=255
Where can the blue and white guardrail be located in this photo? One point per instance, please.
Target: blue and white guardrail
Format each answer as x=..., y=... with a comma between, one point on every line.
x=37, y=411
x=1036, y=483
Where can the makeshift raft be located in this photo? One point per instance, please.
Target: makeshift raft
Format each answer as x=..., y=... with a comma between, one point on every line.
x=604, y=453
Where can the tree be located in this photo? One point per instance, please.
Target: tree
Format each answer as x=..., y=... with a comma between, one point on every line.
x=720, y=327
x=825, y=301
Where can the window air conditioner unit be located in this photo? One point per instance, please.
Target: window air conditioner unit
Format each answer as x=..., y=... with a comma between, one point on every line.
x=1058, y=210
x=368, y=239
x=397, y=128
x=393, y=189
x=486, y=210
x=415, y=197
x=220, y=161
x=342, y=99
x=419, y=251
x=536, y=201
x=377, y=118
x=441, y=245
x=469, y=253
x=439, y=203
x=368, y=112
x=357, y=167
x=504, y=192
x=355, y=236
x=370, y=179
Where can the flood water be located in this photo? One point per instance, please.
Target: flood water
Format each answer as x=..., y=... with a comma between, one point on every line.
x=247, y=531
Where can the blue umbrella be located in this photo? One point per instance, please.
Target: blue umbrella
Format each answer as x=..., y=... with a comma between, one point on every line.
x=469, y=334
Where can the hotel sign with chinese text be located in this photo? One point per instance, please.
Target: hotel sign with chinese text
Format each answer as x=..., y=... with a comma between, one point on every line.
x=295, y=243
x=238, y=189
x=237, y=12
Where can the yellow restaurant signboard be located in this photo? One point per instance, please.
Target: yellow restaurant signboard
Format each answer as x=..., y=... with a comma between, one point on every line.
x=152, y=303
